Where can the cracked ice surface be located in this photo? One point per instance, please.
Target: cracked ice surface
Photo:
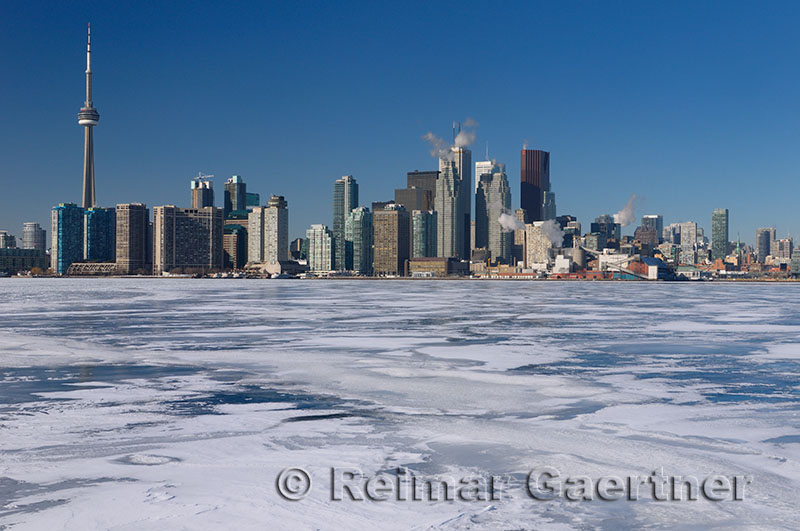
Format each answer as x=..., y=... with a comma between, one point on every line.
x=159, y=404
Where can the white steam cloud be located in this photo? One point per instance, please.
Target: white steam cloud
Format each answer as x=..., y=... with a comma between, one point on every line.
x=465, y=138
x=627, y=215
x=510, y=222
x=439, y=148
x=553, y=232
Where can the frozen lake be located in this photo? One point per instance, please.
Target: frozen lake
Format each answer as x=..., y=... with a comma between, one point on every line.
x=161, y=404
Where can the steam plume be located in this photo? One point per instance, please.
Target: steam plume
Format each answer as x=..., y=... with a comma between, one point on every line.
x=627, y=215
x=553, y=232
x=509, y=222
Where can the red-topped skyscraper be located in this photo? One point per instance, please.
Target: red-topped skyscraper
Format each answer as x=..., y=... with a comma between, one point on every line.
x=534, y=181
x=88, y=118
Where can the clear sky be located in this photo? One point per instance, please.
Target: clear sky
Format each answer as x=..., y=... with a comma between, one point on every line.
x=690, y=105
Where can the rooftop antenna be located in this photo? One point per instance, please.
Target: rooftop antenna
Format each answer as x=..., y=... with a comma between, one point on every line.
x=487, y=150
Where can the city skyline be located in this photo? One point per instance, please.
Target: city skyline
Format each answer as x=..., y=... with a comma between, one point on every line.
x=588, y=182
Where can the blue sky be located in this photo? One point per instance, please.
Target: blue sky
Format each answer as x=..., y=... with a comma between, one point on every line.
x=691, y=106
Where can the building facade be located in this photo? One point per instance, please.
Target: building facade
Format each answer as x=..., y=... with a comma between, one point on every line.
x=345, y=199
x=534, y=181
x=187, y=239
x=462, y=159
x=34, y=236
x=656, y=223
x=202, y=193
x=719, y=234
x=764, y=239
x=449, y=229
x=100, y=234
x=358, y=232
x=234, y=242
x=537, y=245
x=66, y=233
x=7, y=240
x=423, y=234
x=276, y=230
x=235, y=195
x=492, y=200
x=134, y=240
x=390, y=240
x=320, y=248
x=268, y=232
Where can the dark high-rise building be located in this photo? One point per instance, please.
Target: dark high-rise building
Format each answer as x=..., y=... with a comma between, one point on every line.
x=719, y=234
x=190, y=239
x=234, y=241
x=7, y=240
x=425, y=180
x=345, y=199
x=534, y=181
x=251, y=200
x=413, y=198
x=358, y=234
x=202, y=191
x=66, y=231
x=134, y=239
x=296, y=249
x=390, y=240
x=605, y=225
x=235, y=195
x=99, y=234
x=655, y=222
x=764, y=239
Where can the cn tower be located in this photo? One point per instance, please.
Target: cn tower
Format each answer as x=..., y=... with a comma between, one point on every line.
x=88, y=118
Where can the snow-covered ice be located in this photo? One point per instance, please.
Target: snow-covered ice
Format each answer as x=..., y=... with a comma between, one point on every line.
x=176, y=403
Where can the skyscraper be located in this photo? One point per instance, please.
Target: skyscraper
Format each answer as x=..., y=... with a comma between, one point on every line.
x=358, y=240
x=422, y=179
x=99, y=234
x=255, y=234
x=202, y=191
x=462, y=158
x=423, y=234
x=276, y=230
x=235, y=195
x=320, y=248
x=33, y=236
x=390, y=240
x=483, y=167
x=413, y=198
x=134, y=239
x=345, y=199
x=88, y=118
x=548, y=205
x=534, y=181
x=66, y=232
x=719, y=234
x=189, y=239
x=492, y=200
x=688, y=235
x=449, y=211
x=764, y=239
x=656, y=223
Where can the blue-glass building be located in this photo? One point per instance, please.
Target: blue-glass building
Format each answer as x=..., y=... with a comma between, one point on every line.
x=67, y=236
x=100, y=234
